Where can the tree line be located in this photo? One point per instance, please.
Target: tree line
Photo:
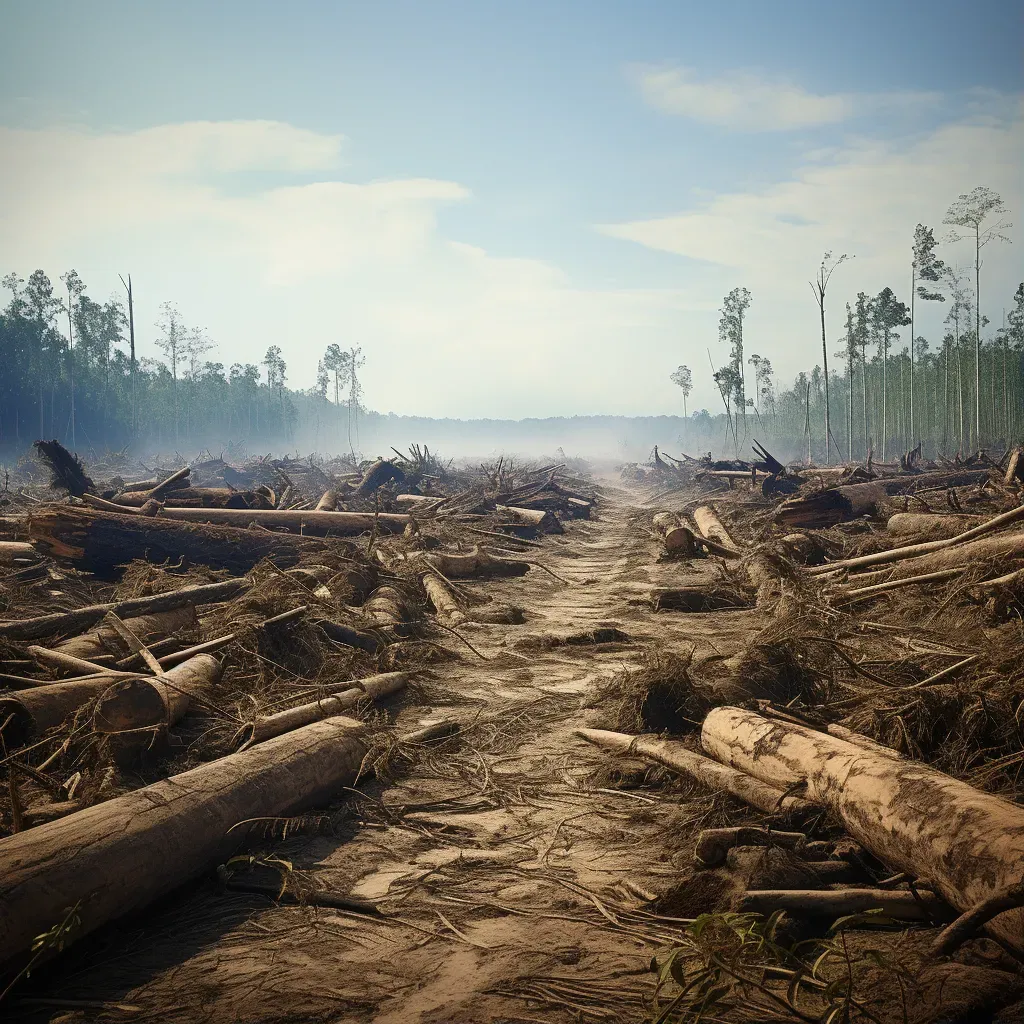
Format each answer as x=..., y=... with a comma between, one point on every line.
x=885, y=395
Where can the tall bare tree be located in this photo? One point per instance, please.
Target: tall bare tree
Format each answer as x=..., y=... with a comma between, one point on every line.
x=970, y=211
x=819, y=286
x=924, y=266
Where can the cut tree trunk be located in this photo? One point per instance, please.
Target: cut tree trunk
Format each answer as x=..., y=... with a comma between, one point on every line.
x=82, y=618
x=119, y=856
x=712, y=527
x=39, y=708
x=386, y=607
x=309, y=523
x=1002, y=550
x=904, y=906
x=102, y=542
x=149, y=702
x=13, y=551
x=677, y=538
x=380, y=473
x=328, y=501
x=967, y=843
x=372, y=688
x=835, y=505
x=714, y=844
x=475, y=562
x=707, y=772
x=197, y=497
x=350, y=637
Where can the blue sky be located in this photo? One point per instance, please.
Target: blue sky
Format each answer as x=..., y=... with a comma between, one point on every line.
x=516, y=209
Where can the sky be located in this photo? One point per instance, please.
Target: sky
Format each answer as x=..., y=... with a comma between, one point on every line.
x=515, y=210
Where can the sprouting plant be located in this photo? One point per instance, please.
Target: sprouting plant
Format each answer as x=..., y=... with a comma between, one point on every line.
x=283, y=867
x=53, y=940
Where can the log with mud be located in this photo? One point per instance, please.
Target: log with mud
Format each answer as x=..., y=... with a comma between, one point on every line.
x=967, y=843
x=119, y=856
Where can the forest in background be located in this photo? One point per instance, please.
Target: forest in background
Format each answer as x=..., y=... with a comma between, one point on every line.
x=71, y=372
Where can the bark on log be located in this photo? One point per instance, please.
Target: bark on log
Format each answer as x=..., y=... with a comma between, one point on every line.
x=913, y=550
x=82, y=618
x=102, y=542
x=712, y=527
x=968, y=844
x=904, y=906
x=919, y=526
x=701, y=769
x=677, y=538
x=1003, y=550
x=370, y=689
x=196, y=497
x=172, y=483
x=328, y=501
x=117, y=857
x=1015, y=467
x=41, y=707
x=475, y=562
x=148, y=702
x=714, y=844
x=310, y=523
x=380, y=473
x=449, y=611
x=106, y=640
x=542, y=520
x=835, y=505
x=348, y=636
x=386, y=607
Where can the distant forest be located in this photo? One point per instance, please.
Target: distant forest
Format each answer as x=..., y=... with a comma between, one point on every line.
x=71, y=372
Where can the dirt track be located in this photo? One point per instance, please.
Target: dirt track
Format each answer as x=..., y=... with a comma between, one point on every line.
x=513, y=878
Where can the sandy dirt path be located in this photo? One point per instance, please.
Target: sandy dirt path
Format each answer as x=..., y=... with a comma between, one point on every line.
x=513, y=872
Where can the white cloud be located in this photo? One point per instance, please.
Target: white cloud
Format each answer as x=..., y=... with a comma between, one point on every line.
x=751, y=102
x=448, y=328
x=864, y=199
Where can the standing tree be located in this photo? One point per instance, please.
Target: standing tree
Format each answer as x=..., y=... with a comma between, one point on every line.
x=196, y=344
x=683, y=378
x=170, y=343
x=131, y=339
x=958, y=316
x=76, y=288
x=819, y=286
x=354, y=359
x=335, y=361
x=277, y=370
x=730, y=329
x=862, y=335
x=970, y=211
x=924, y=266
x=887, y=313
x=42, y=308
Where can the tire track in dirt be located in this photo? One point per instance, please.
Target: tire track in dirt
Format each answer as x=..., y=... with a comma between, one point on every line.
x=514, y=885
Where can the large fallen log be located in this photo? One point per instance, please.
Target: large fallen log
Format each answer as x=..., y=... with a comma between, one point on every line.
x=903, y=906
x=342, y=634
x=309, y=523
x=1002, y=550
x=371, y=688
x=387, y=607
x=117, y=857
x=13, y=551
x=35, y=709
x=968, y=844
x=542, y=520
x=197, y=497
x=475, y=562
x=82, y=618
x=101, y=542
x=449, y=611
x=701, y=769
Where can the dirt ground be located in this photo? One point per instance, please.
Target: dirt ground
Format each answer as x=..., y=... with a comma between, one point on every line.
x=517, y=875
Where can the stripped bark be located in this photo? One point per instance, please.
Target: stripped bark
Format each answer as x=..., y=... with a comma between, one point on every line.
x=105, y=639
x=921, y=526
x=968, y=844
x=449, y=611
x=712, y=527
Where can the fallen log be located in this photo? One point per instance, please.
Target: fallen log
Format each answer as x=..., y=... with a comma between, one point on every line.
x=149, y=702
x=370, y=689
x=196, y=497
x=913, y=550
x=102, y=542
x=348, y=636
x=380, y=473
x=921, y=526
x=447, y=607
x=172, y=483
x=386, y=607
x=309, y=523
x=968, y=844
x=677, y=538
x=828, y=507
x=714, y=844
x=119, y=856
x=13, y=551
x=1015, y=467
x=82, y=618
x=701, y=769
x=542, y=520
x=904, y=906
x=712, y=527
x=328, y=501
x=475, y=562
x=106, y=640
x=38, y=708
x=1001, y=550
